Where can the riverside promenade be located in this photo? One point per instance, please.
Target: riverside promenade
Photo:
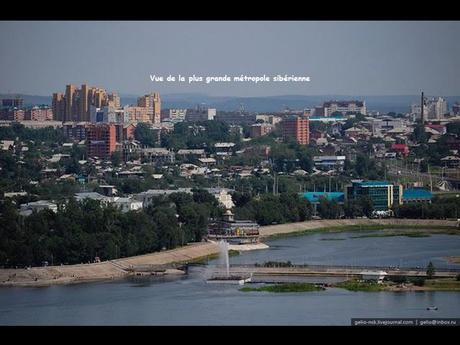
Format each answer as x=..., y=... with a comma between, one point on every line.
x=116, y=269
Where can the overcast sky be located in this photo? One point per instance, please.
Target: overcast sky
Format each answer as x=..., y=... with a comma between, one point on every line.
x=348, y=58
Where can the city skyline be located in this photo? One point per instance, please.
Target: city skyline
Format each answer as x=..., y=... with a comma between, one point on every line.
x=342, y=58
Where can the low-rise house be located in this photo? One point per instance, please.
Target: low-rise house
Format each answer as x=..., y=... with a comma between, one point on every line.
x=188, y=170
x=403, y=149
x=451, y=161
x=198, y=153
x=329, y=162
x=7, y=145
x=37, y=206
x=127, y=204
x=158, y=155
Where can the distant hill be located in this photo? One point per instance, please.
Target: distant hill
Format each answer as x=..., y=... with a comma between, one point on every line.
x=384, y=104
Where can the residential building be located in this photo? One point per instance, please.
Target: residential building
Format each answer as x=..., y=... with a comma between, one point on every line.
x=177, y=115
x=451, y=162
x=101, y=140
x=433, y=109
x=329, y=162
x=200, y=114
x=402, y=149
x=37, y=206
x=456, y=108
x=76, y=130
x=114, y=100
x=153, y=104
x=36, y=113
x=344, y=107
x=138, y=114
x=296, y=127
x=260, y=129
x=13, y=103
x=58, y=106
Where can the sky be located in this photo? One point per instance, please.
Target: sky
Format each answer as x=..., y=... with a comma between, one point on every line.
x=341, y=58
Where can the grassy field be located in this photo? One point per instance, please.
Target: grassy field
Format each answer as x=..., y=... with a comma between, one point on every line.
x=447, y=284
x=396, y=233
x=355, y=285
x=290, y=287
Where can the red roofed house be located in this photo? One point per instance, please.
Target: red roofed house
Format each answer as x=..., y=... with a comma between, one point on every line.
x=401, y=148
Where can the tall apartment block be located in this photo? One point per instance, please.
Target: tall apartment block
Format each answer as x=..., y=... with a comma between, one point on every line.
x=58, y=106
x=153, y=104
x=297, y=127
x=75, y=104
x=13, y=103
x=114, y=100
x=101, y=140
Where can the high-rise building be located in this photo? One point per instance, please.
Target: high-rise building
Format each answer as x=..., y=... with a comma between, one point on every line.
x=114, y=100
x=456, y=108
x=153, y=103
x=70, y=104
x=297, y=127
x=101, y=140
x=58, y=106
x=83, y=103
x=76, y=104
x=433, y=108
x=138, y=114
x=13, y=103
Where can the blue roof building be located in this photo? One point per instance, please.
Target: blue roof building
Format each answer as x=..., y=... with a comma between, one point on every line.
x=417, y=195
x=314, y=197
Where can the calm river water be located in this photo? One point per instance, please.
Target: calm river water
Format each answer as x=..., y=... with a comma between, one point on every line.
x=191, y=301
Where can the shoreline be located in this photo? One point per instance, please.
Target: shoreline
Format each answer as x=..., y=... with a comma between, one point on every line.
x=119, y=268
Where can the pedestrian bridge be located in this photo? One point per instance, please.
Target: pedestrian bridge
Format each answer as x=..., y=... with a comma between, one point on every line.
x=334, y=271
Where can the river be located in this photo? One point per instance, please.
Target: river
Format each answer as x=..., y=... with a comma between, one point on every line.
x=189, y=300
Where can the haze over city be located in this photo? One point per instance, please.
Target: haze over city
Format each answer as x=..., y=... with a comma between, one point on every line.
x=349, y=58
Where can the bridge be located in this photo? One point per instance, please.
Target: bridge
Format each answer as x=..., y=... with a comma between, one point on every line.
x=333, y=271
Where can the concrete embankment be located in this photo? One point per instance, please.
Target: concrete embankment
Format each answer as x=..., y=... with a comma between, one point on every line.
x=44, y=276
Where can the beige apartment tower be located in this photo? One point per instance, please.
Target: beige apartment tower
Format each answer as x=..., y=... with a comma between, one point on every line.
x=58, y=106
x=70, y=104
x=153, y=103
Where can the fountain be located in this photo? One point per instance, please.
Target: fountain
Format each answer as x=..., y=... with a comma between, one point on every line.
x=224, y=260
x=223, y=255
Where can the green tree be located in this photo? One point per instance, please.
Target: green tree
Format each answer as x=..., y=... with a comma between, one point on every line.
x=145, y=134
x=116, y=158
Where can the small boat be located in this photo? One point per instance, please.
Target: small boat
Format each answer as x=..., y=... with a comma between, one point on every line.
x=432, y=308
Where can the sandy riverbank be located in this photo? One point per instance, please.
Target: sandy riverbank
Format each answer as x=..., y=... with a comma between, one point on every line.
x=115, y=269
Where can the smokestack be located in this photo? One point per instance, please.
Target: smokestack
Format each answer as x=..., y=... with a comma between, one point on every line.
x=422, y=110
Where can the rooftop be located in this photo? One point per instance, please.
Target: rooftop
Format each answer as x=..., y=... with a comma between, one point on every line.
x=417, y=193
